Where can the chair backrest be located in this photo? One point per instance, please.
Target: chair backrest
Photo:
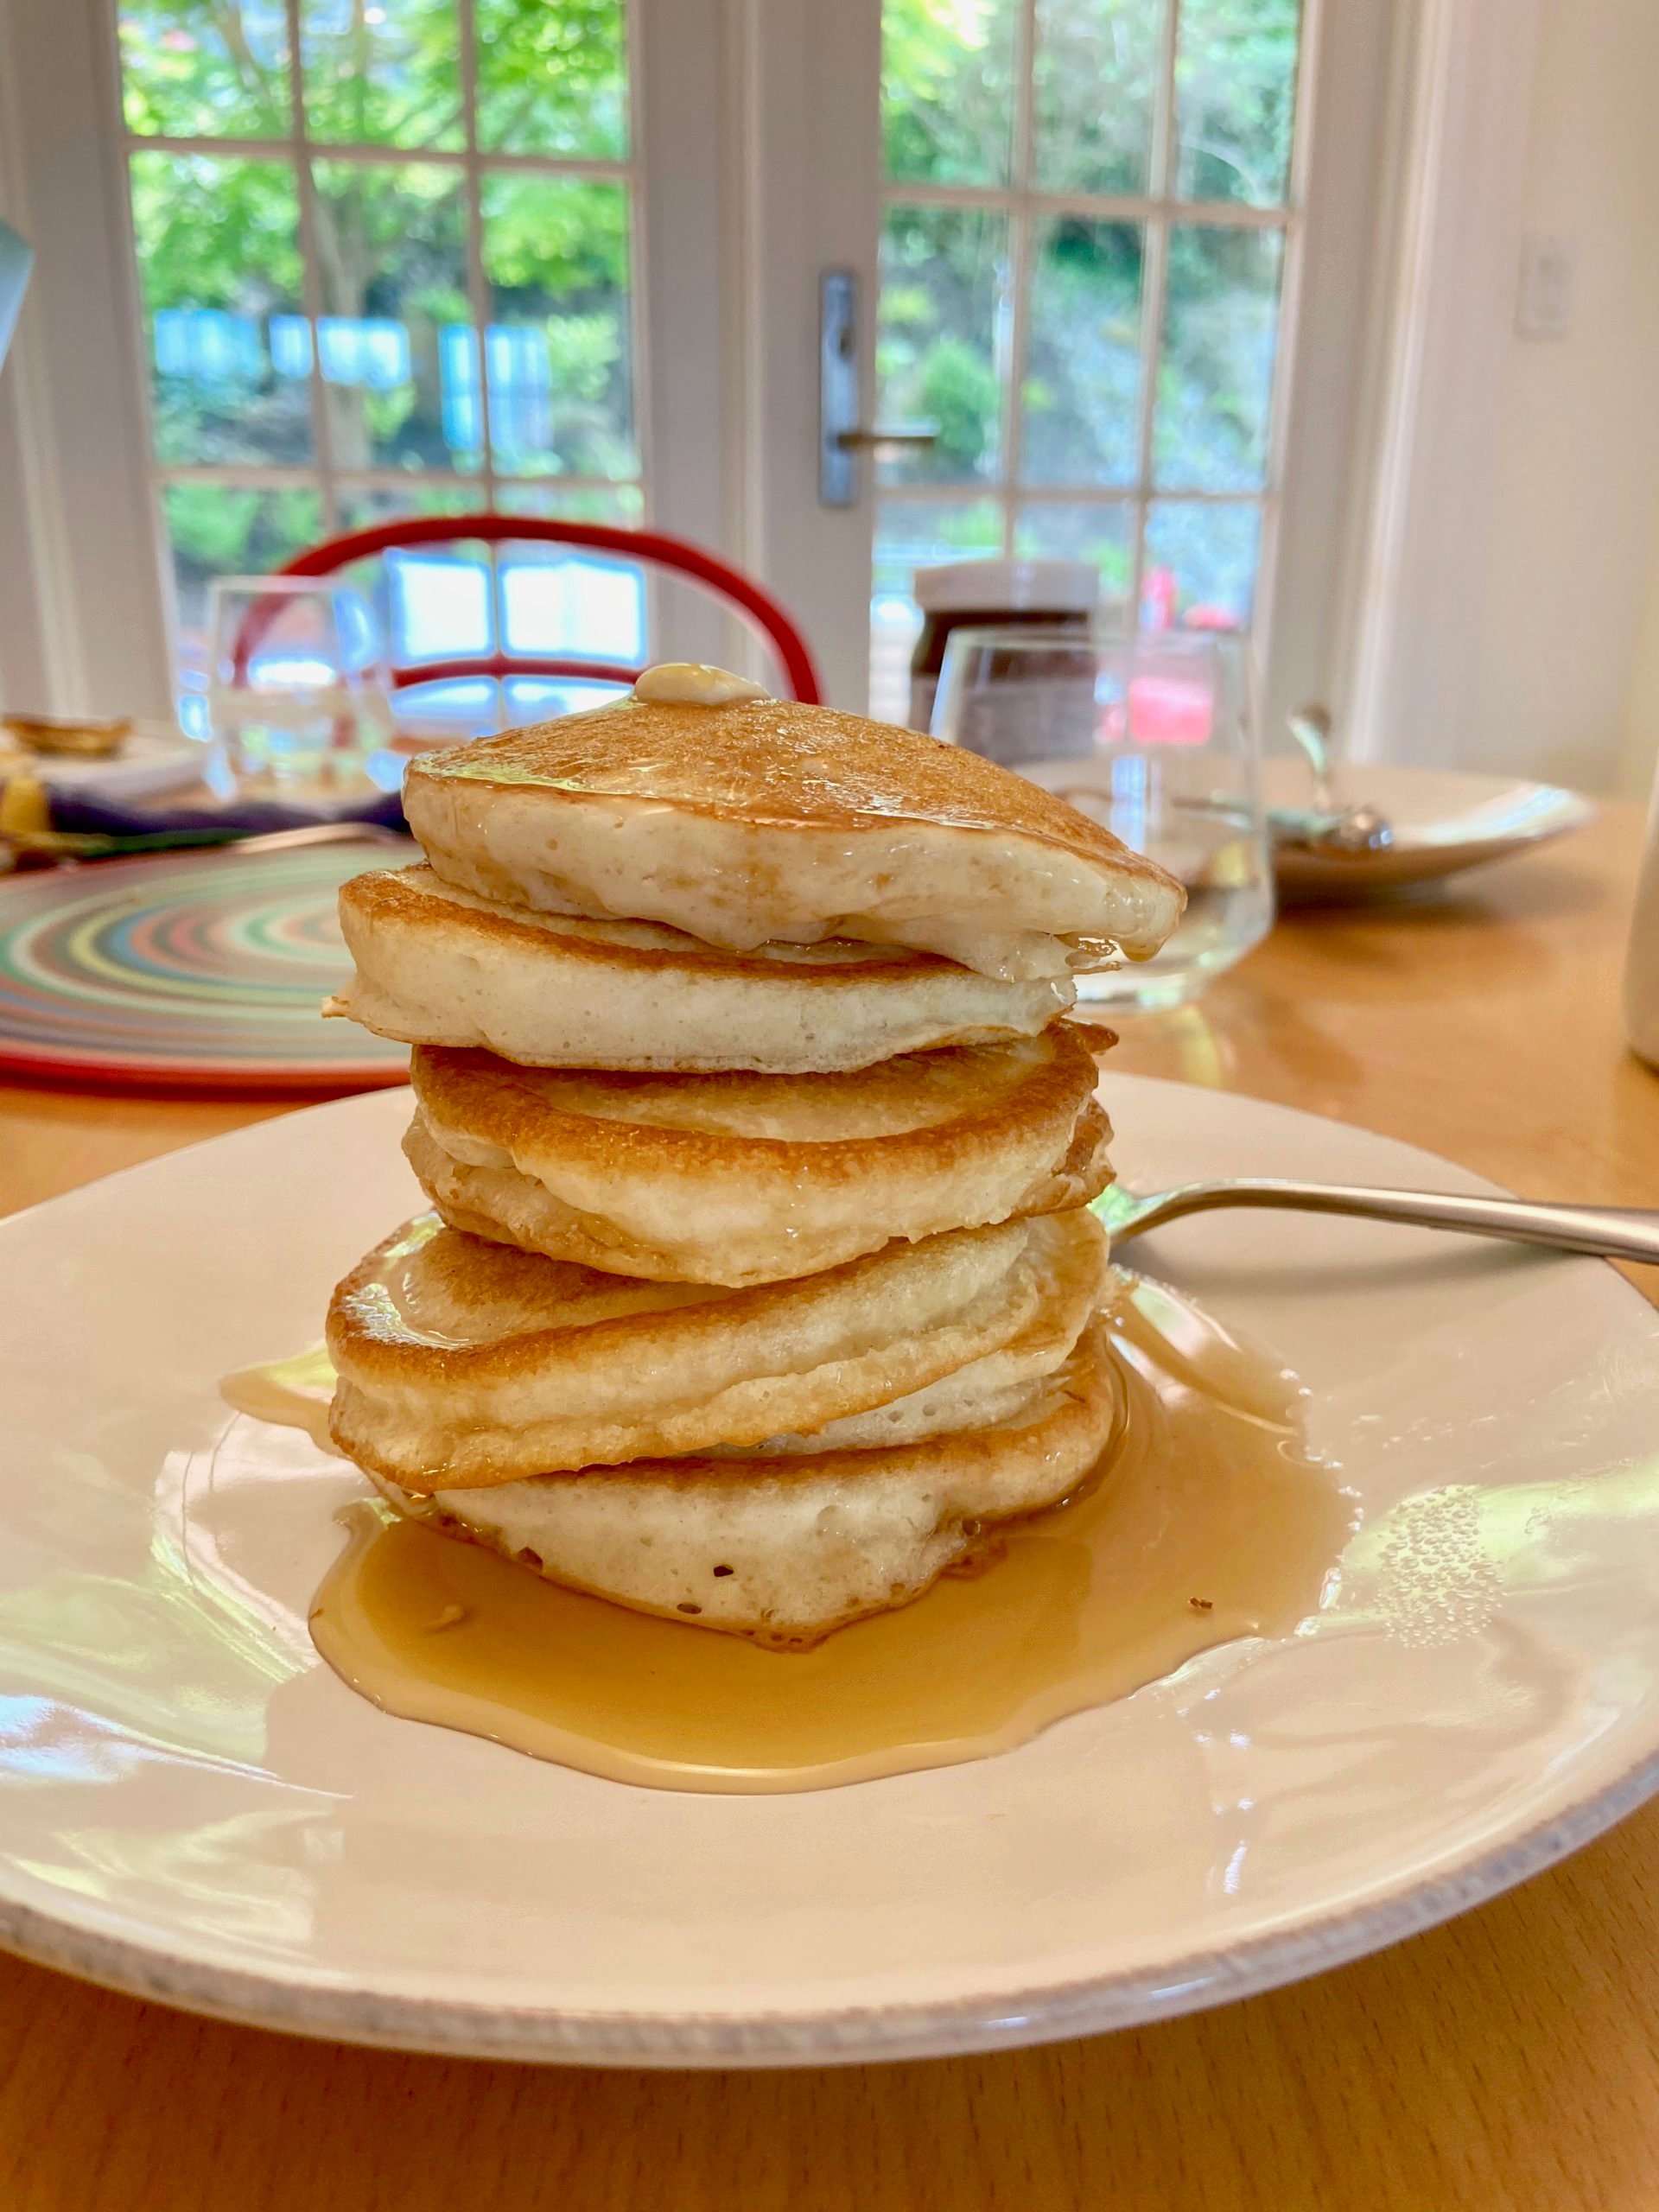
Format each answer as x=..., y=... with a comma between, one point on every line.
x=649, y=548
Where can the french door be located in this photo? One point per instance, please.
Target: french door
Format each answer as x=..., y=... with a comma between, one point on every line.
x=568, y=258
x=1118, y=256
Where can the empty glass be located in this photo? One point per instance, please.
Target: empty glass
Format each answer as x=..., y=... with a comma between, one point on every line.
x=298, y=694
x=1151, y=736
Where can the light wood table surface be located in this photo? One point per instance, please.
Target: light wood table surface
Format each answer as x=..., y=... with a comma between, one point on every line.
x=1509, y=2060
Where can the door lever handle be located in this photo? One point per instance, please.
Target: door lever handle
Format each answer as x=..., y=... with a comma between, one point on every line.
x=842, y=436
x=896, y=433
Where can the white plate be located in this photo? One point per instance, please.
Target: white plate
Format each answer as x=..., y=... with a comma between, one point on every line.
x=157, y=758
x=192, y=1807
x=1443, y=822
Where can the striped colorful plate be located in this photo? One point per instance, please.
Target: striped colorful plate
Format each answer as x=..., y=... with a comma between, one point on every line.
x=206, y=971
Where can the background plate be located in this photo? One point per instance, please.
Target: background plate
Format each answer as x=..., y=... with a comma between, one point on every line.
x=1444, y=821
x=192, y=1807
x=207, y=971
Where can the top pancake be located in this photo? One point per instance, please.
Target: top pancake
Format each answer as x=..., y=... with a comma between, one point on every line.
x=755, y=821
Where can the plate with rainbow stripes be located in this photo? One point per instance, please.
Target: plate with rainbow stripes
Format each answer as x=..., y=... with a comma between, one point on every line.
x=200, y=971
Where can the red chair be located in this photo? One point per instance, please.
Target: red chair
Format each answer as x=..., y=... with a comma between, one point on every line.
x=647, y=547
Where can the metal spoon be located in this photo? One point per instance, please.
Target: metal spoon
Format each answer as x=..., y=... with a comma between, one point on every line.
x=1608, y=1232
x=1333, y=829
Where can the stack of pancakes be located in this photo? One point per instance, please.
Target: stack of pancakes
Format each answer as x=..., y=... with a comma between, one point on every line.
x=761, y=1284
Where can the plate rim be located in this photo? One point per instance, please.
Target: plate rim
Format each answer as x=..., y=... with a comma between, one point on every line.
x=325, y=2010
x=322, y=2007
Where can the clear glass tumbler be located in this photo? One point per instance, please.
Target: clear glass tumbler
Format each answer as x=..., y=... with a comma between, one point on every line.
x=1152, y=736
x=299, y=694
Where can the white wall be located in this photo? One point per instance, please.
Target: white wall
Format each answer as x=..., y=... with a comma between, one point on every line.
x=1639, y=752
x=1571, y=573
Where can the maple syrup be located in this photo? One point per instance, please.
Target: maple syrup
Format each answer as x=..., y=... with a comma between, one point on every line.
x=1207, y=1523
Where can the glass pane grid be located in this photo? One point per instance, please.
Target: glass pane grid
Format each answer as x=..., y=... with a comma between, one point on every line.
x=1132, y=158
x=332, y=200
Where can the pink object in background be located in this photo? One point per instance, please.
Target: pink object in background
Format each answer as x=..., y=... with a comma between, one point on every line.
x=1162, y=711
x=1158, y=599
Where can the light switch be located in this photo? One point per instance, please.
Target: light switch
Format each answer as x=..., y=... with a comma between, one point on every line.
x=1549, y=276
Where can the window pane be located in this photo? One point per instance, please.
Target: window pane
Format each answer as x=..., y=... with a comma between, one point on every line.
x=912, y=534
x=387, y=72
x=558, y=349
x=538, y=698
x=1215, y=382
x=205, y=69
x=396, y=343
x=1236, y=96
x=1082, y=387
x=947, y=90
x=363, y=506
x=939, y=337
x=1095, y=76
x=218, y=268
x=1200, y=564
x=220, y=530
x=552, y=78
x=622, y=504
x=571, y=602
x=441, y=600
x=1102, y=534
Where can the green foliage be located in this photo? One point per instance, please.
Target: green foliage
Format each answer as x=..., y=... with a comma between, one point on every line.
x=221, y=233
x=944, y=269
x=947, y=77
x=958, y=389
x=205, y=69
x=219, y=532
x=216, y=234
x=551, y=77
x=394, y=82
x=555, y=235
x=1097, y=68
x=1236, y=88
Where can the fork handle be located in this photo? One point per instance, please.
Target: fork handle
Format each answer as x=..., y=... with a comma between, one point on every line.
x=1609, y=1232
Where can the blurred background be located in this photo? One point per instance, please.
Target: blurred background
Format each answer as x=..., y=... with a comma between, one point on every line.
x=1331, y=324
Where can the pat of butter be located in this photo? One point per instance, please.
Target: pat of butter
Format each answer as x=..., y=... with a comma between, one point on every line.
x=695, y=683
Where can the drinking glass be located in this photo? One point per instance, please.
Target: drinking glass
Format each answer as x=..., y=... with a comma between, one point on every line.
x=1154, y=737
x=299, y=692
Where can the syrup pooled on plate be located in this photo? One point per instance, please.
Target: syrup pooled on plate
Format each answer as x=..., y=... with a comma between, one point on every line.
x=1207, y=1523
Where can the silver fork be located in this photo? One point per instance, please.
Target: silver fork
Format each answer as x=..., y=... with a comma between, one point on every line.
x=1609, y=1232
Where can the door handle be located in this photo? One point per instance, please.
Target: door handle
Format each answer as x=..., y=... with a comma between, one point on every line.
x=841, y=436
x=899, y=434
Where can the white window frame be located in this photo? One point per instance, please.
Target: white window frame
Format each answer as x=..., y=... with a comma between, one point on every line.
x=1023, y=205
x=87, y=622
x=1387, y=473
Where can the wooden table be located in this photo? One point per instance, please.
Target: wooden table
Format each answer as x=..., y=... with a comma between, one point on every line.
x=1510, y=2059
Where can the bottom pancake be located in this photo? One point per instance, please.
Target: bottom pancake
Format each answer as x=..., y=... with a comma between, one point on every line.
x=785, y=1550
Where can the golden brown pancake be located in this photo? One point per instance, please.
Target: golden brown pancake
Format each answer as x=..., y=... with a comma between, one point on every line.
x=741, y=1179
x=465, y=1364
x=752, y=822
x=785, y=1550
x=438, y=966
